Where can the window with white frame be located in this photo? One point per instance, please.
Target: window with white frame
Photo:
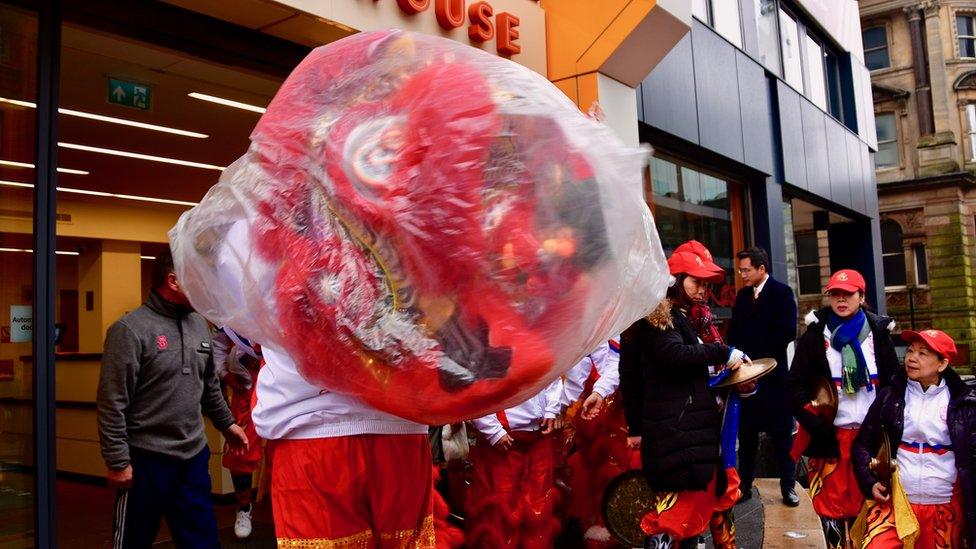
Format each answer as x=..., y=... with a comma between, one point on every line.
x=887, y=156
x=789, y=35
x=966, y=33
x=893, y=254
x=971, y=130
x=875, y=40
x=816, y=83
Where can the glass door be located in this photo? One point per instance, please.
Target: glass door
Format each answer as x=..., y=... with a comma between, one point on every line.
x=18, y=85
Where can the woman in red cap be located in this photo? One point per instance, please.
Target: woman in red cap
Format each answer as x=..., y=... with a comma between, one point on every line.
x=929, y=416
x=666, y=362
x=848, y=350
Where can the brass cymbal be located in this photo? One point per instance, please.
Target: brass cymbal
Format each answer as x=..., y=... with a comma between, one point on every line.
x=625, y=502
x=825, y=398
x=749, y=372
x=882, y=464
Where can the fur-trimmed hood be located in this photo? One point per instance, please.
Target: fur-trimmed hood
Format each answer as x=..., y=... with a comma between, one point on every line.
x=660, y=317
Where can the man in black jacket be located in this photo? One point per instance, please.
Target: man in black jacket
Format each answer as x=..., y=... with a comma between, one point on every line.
x=763, y=324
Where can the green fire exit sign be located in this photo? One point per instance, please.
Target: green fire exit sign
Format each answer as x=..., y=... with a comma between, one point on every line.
x=129, y=94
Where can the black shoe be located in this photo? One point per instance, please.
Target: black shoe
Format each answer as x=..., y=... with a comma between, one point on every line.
x=746, y=494
x=790, y=499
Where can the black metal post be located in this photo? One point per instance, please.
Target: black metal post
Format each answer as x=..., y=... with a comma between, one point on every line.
x=911, y=304
x=45, y=232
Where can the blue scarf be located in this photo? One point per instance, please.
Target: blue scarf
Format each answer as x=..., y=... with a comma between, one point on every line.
x=846, y=337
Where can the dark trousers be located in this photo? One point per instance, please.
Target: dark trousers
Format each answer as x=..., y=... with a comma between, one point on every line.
x=166, y=487
x=782, y=439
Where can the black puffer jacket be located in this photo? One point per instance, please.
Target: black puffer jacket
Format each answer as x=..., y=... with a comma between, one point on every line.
x=663, y=379
x=810, y=366
x=887, y=417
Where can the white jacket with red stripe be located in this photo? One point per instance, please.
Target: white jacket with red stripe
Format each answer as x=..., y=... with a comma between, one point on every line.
x=288, y=407
x=605, y=359
x=926, y=459
x=527, y=416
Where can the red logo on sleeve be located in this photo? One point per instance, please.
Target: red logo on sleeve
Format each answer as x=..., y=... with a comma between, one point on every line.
x=162, y=343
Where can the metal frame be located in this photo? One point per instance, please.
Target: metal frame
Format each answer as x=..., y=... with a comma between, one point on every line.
x=45, y=204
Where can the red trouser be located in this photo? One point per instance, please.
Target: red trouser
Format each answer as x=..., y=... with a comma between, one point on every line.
x=940, y=526
x=833, y=485
x=354, y=491
x=686, y=514
x=601, y=454
x=511, y=498
x=241, y=404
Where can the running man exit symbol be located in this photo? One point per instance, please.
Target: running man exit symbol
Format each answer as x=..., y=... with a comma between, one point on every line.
x=129, y=94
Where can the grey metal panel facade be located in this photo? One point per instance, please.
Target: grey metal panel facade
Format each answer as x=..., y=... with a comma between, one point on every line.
x=791, y=135
x=856, y=170
x=870, y=182
x=838, y=166
x=720, y=102
x=717, y=94
x=815, y=148
x=669, y=92
x=757, y=126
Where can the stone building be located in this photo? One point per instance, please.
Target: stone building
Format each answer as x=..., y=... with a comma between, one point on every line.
x=922, y=57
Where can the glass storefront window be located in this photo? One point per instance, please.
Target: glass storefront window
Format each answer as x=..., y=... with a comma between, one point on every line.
x=114, y=210
x=689, y=204
x=18, y=85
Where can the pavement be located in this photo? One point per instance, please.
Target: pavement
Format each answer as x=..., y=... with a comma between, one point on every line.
x=788, y=527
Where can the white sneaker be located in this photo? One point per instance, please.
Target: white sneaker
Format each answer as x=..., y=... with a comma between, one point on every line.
x=242, y=526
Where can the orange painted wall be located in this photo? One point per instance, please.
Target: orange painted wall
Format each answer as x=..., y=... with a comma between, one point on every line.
x=581, y=35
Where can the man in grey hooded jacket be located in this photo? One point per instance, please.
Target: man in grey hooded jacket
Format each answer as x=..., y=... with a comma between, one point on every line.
x=157, y=377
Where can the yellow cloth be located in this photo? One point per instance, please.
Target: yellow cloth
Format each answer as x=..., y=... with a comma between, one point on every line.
x=905, y=522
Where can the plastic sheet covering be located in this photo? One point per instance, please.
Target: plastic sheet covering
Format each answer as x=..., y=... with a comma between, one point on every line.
x=434, y=229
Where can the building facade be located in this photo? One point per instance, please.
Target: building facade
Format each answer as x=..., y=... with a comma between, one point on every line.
x=922, y=60
x=114, y=121
x=117, y=117
x=762, y=124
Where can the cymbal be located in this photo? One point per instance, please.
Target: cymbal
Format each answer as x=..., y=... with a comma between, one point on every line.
x=625, y=502
x=825, y=398
x=882, y=464
x=749, y=372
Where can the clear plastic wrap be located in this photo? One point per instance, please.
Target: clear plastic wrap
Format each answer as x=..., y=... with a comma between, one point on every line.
x=434, y=229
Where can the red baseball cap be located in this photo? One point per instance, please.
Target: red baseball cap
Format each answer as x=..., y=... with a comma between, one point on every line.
x=699, y=249
x=848, y=280
x=689, y=264
x=937, y=340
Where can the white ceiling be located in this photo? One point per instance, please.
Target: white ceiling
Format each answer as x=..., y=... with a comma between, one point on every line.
x=89, y=58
